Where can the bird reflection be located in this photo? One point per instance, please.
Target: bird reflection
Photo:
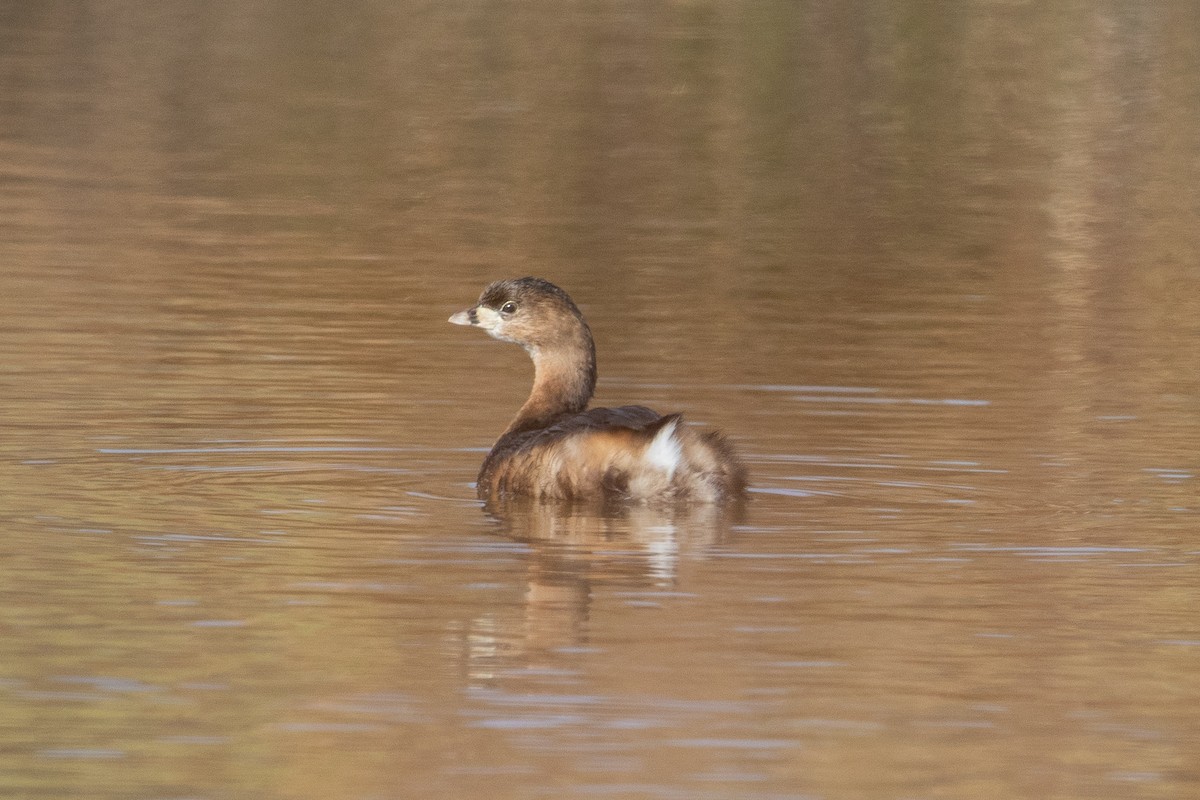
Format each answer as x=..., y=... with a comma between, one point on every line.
x=576, y=552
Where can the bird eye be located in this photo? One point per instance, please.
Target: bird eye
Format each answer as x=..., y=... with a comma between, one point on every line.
x=508, y=308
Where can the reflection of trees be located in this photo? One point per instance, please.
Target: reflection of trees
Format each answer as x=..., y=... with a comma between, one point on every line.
x=835, y=145
x=1014, y=181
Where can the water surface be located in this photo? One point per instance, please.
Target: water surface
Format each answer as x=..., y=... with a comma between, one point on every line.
x=934, y=272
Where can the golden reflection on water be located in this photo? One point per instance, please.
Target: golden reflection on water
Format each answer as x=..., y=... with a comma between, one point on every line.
x=936, y=274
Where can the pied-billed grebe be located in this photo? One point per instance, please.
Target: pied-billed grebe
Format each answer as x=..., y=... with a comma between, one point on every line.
x=555, y=449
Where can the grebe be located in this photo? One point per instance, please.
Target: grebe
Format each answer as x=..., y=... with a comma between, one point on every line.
x=557, y=450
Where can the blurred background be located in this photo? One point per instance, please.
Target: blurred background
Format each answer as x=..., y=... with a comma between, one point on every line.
x=934, y=267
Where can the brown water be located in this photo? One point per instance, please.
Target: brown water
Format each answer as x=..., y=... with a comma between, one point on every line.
x=936, y=270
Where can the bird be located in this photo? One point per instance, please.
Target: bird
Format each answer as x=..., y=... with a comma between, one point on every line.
x=557, y=449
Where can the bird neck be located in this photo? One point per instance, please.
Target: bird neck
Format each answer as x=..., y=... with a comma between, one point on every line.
x=564, y=378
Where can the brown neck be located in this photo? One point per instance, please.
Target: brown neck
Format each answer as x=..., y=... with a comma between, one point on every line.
x=564, y=378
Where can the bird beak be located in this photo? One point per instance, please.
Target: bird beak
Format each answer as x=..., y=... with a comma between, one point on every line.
x=480, y=317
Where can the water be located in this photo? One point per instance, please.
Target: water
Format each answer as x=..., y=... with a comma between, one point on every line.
x=934, y=271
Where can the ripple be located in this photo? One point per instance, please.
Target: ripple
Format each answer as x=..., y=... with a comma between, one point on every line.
x=81, y=753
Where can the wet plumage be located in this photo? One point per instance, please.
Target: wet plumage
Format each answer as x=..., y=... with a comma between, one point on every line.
x=555, y=449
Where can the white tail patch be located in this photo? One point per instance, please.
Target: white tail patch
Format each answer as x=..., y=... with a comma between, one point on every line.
x=665, y=452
